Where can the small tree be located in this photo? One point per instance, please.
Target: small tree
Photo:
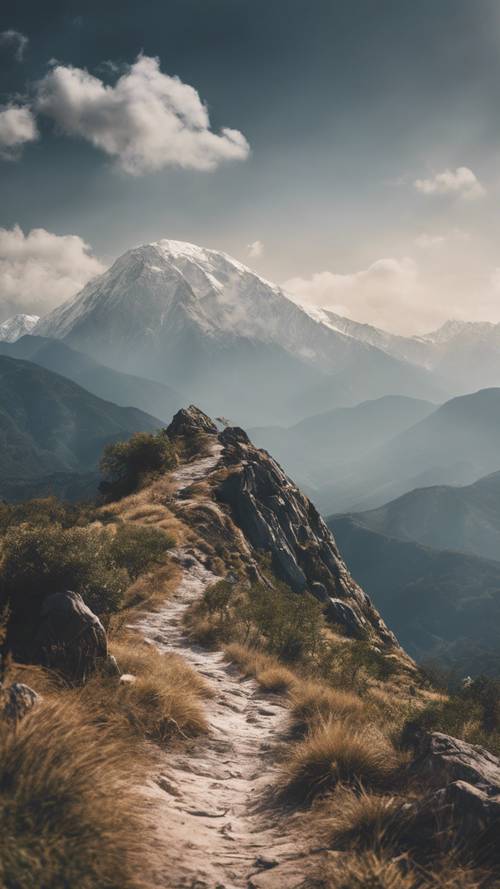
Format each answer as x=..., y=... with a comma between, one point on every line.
x=127, y=464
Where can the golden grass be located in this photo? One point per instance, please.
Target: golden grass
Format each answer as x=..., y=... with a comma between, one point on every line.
x=164, y=703
x=269, y=672
x=314, y=703
x=364, y=821
x=336, y=753
x=370, y=871
x=70, y=811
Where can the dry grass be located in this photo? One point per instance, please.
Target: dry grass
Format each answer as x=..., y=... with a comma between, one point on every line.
x=336, y=753
x=61, y=779
x=364, y=821
x=371, y=871
x=164, y=703
x=269, y=672
x=314, y=703
x=154, y=587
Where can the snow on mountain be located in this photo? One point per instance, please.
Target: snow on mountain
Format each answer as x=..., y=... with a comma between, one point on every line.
x=200, y=320
x=16, y=327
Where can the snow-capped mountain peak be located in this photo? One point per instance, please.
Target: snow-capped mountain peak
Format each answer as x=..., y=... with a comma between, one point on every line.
x=19, y=325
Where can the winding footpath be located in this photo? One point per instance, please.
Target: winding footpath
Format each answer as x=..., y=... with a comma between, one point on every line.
x=214, y=833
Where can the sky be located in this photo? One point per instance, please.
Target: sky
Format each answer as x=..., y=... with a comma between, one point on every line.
x=348, y=150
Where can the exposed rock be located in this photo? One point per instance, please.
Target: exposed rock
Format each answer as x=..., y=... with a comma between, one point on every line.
x=110, y=666
x=16, y=701
x=471, y=778
x=352, y=622
x=128, y=679
x=190, y=421
x=445, y=759
x=276, y=518
x=70, y=637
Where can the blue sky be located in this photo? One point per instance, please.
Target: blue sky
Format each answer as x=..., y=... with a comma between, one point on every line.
x=354, y=144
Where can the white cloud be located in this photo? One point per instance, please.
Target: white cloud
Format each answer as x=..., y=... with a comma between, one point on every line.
x=255, y=249
x=377, y=295
x=461, y=182
x=429, y=242
x=17, y=126
x=16, y=40
x=147, y=121
x=40, y=270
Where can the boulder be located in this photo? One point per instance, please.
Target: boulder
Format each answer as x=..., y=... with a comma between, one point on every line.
x=16, y=701
x=70, y=637
x=190, y=421
x=468, y=780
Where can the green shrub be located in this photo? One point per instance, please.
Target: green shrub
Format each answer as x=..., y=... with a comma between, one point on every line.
x=137, y=548
x=126, y=465
x=44, y=511
x=217, y=598
x=291, y=623
x=38, y=561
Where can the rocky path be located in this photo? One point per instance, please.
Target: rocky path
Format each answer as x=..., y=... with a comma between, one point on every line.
x=215, y=836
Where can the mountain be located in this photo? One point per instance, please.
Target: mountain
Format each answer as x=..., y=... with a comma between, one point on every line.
x=49, y=425
x=455, y=445
x=16, y=327
x=123, y=389
x=207, y=325
x=442, y=605
x=464, y=355
x=461, y=518
x=317, y=447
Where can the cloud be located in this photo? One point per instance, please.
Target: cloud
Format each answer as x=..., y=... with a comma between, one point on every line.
x=147, y=121
x=255, y=249
x=40, y=270
x=16, y=40
x=428, y=242
x=376, y=295
x=461, y=182
x=17, y=126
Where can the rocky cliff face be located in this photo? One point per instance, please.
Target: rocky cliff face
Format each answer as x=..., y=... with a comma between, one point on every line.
x=258, y=511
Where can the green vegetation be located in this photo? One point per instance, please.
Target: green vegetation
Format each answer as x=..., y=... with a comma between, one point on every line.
x=127, y=465
x=472, y=714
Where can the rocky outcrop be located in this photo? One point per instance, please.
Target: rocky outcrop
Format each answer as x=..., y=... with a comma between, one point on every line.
x=467, y=778
x=70, y=637
x=16, y=701
x=190, y=421
x=276, y=520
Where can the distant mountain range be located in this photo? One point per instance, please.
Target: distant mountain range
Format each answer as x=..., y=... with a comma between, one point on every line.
x=123, y=389
x=465, y=355
x=323, y=446
x=49, y=426
x=443, y=605
x=203, y=323
x=444, y=517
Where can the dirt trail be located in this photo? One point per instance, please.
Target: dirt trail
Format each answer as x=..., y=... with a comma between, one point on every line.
x=215, y=837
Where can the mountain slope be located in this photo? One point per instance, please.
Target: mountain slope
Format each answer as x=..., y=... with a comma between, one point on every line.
x=317, y=447
x=16, y=327
x=456, y=444
x=202, y=321
x=123, y=389
x=50, y=425
x=461, y=518
x=442, y=604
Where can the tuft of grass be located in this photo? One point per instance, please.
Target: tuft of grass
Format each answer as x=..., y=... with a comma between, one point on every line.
x=365, y=821
x=61, y=779
x=275, y=679
x=314, y=703
x=370, y=871
x=336, y=753
x=164, y=702
x=270, y=673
